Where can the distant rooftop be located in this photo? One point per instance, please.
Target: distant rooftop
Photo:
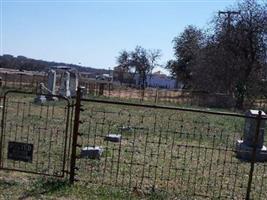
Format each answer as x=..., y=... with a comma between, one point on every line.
x=61, y=67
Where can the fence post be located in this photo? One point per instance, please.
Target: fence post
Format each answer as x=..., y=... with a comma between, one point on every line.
x=75, y=136
x=253, y=158
x=2, y=130
x=5, y=80
x=32, y=83
x=109, y=89
x=156, y=96
x=20, y=81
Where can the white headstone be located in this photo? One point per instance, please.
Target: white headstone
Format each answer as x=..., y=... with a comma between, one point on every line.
x=245, y=147
x=73, y=83
x=52, y=77
x=250, y=129
x=65, y=85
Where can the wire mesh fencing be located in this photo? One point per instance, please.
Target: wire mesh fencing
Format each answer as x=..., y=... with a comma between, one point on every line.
x=183, y=152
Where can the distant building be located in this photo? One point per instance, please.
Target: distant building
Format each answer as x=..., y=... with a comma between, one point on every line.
x=156, y=79
x=87, y=75
x=104, y=77
x=160, y=80
x=59, y=67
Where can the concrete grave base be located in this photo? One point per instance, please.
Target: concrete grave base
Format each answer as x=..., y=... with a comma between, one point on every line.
x=40, y=99
x=113, y=138
x=244, y=152
x=92, y=152
x=51, y=98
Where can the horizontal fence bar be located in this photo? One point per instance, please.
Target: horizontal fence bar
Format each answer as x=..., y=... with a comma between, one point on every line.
x=35, y=93
x=31, y=172
x=169, y=108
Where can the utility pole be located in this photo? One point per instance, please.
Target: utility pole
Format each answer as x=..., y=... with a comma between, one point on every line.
x=228, y=15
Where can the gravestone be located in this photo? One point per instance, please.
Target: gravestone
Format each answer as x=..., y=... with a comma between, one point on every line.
x=83, y=91
x=40, y=98
x=52, y=81
x=65, y=85
x=73, y=83
x=244, y=148
x=52, y=77
x=250, y=129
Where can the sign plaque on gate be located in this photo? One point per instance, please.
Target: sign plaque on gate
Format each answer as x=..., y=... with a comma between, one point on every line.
x=20, y=151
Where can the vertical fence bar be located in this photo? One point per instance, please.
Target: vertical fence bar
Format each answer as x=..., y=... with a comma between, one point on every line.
x=109, y=88
x=32, y=83
x=156, y=96
x=5, y=80
x=2, y=131
x=65, y=157
x=253, y=159
x=20, y=81
x=3, y=126
x=75, y=136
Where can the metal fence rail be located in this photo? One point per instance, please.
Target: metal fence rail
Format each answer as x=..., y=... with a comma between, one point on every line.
x=115, y=91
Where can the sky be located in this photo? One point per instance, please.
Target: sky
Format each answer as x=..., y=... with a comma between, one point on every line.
x=92, y=33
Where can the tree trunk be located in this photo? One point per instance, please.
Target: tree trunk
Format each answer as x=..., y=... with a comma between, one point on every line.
x=240, y=94
x=240, y=102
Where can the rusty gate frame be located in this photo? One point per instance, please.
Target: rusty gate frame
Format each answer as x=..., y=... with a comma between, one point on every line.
x=67, y=139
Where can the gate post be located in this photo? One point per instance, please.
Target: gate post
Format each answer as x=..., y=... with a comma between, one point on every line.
x=254, y=154
x=75, y=136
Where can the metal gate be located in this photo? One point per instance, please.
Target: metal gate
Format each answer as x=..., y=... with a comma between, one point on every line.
x=34, y=136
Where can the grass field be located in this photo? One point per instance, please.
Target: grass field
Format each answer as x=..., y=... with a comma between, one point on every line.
x=162, y=154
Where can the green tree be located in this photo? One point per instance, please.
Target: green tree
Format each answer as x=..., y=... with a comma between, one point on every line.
x=186, y=48
x=139, y=61
x=237, y=53
x=231, y=59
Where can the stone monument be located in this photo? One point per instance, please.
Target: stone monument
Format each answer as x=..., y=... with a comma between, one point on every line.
x=244, y=148
x=52, y=78
x=73, y=83
x=65, y=85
